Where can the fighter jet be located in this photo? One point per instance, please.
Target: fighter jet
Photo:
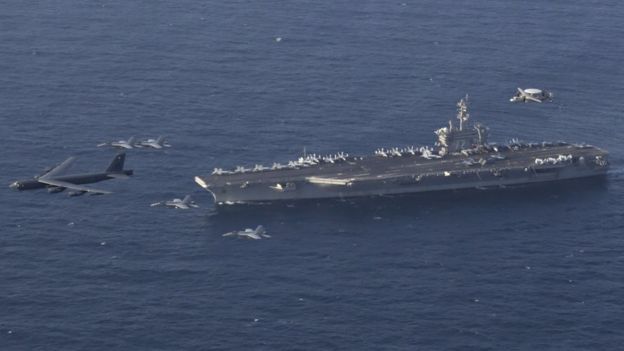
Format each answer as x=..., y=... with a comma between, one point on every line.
x=255, y=234
x=122, y=144
x=183, y=204
x=55, y=182
x=497, y=157
x=158, y=143
x=531, y=94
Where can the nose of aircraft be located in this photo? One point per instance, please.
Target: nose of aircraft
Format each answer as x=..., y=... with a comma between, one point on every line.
x=15, y=185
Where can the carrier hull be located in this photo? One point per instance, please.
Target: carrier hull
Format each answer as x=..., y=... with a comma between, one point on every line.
x=374, y=176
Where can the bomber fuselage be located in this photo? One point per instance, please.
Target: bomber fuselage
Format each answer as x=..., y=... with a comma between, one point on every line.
x=87, y=178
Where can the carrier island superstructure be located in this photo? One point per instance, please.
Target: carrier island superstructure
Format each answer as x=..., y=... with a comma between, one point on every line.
x=462, y=158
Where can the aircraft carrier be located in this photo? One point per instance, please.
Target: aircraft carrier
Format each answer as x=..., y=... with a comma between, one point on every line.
x=462, y=158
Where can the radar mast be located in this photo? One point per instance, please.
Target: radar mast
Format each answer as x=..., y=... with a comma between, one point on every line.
x=462, y=112
x=456, y=139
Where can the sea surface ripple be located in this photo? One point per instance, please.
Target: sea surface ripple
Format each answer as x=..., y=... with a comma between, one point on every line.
x=242, y=82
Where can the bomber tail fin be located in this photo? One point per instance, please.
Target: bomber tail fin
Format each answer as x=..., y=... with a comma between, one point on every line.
x=187, y=199
x=117, y=164
x=132, y=141
x=160, y=140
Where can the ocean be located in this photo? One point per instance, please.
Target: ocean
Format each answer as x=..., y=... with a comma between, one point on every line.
x=245, y=82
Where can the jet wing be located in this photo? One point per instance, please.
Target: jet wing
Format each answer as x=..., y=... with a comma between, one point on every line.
x=118, y=175
x=60, y=168
x=72, y=186
x=250, y=235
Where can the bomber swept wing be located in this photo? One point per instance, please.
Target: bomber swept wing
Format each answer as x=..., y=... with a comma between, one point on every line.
x=60, y=183
x=60, y=168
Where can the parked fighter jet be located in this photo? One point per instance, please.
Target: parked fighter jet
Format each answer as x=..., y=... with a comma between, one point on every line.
x=123, y=144
x=249, y=233
x=497, y=157
x=183, y=204
x=531, y=94
x=158, y=143
x=469, y=162
x=55, y=182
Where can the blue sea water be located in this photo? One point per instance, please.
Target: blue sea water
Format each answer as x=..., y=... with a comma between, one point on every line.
x=527, y=269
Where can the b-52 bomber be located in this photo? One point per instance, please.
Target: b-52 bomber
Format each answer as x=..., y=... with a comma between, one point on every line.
x=56, y=183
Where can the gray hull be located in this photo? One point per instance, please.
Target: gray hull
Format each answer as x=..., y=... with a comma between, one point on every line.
x=373, y=176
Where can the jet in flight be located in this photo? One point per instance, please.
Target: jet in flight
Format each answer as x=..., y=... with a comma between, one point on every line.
x=55, y=182
x=531, y=94
x=158, y=143
x=249, y=233
x=183, y=204
x=122, y=144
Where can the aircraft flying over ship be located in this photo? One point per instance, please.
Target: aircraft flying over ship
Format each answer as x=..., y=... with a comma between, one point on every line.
x=158, y=143
x=531, y=94
x=183, y=204
x=54, y=180
x=122, y=144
